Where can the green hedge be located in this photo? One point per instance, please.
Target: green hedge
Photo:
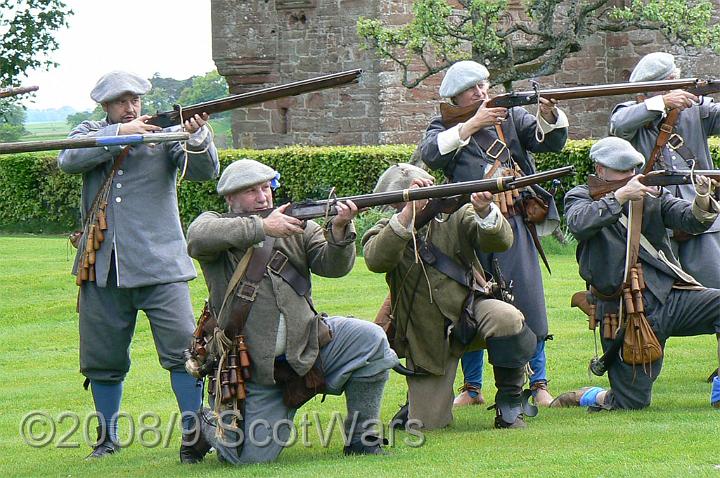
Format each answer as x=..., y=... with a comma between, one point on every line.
x=36, y=197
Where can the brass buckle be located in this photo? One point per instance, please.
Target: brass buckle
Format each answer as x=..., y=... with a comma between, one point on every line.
x=502, y=148
x=247, y=292
x=667, y=128
x=679, y=139
x=277, y=262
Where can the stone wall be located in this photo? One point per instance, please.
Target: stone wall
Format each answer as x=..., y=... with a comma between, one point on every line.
x=257, y=43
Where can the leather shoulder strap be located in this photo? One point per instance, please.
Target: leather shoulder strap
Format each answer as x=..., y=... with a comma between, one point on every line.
x=666, y=131
x=433, y=256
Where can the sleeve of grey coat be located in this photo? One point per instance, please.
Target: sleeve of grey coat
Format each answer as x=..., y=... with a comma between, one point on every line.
x=76, y=161
x=202, y=166
x=586, y=217
x=686, y=216
x=429, y=151
x=710, y=118
x=526, y=126
x=627, y=118
x=209, y=234
x=327, y=257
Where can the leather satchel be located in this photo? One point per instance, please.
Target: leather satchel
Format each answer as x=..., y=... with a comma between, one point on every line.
x=535, y=209
x=640, y=344
x=297, y=390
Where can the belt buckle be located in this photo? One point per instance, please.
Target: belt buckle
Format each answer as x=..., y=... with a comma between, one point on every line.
x=502, y=148
x=247, y=292
x=677, y=138
x=283, y=260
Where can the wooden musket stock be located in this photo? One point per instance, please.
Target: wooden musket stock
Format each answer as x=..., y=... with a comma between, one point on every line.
x=8, y=92
x=599, y=187
x=170, y=118
x=453, y=115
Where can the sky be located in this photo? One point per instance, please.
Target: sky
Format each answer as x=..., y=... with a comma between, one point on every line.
x=169, y=37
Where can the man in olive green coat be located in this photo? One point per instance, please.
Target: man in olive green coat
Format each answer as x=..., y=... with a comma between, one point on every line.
x=426, y=303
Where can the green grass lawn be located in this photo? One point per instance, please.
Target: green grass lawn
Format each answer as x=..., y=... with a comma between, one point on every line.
x=677, y=436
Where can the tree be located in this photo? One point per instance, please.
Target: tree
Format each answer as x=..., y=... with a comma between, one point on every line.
x=12, y=119
x=27, y=28
x=210, y=86
x=75, y=119
x=517, y=49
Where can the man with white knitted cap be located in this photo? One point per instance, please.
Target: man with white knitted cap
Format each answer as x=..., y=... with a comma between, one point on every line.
x=640, y=122
x=479, y=148
x=430, y=296
x=142, y=263
x=674, y=303
x=282, y=330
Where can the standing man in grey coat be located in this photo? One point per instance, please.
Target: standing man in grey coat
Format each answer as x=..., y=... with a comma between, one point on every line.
x=142, y=263
x=639, y=122
x=674, y=303
x=457, y=151
x=282, y=328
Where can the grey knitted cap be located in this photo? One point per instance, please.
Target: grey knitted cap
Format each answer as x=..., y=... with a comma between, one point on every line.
x=116, y=83
x=461, y=76
x=398, y=177
x=616, y=153
x=653, y=67
x=242, y=174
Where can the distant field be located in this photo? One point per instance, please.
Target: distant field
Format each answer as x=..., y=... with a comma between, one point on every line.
x=46, y=131
x=59, y=130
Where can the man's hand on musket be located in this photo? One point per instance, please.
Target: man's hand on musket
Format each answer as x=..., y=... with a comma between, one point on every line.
x=277, y=224
x=634, y=190
x=346, y=212
x=483, y=117
x=481, y=202
x=138, y=126
x=196, y=122
x=679, y=99
x=413, y=207
x=548, y=110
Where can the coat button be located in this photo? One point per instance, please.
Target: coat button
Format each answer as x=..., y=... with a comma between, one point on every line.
x=673, y=157
x=118, y=185
x=120, y=172
x=118, y=199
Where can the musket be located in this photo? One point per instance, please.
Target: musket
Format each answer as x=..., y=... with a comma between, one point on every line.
x=600, y=187
x=444, y=198
x=180, y=114
x=452, y=115
x=91, y=142
x=12, y=91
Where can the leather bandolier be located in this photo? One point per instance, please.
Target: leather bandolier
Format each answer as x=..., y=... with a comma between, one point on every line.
x=222, y=354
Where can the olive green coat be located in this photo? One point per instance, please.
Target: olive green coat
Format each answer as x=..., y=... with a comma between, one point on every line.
x=218, y=243
x=423, y=310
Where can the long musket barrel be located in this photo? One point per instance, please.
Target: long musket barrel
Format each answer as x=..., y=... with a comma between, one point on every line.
x=453, y=115
x=599, y=187
x=321, y=208
x=12, y=91
x=170, y=118
x=91, y=142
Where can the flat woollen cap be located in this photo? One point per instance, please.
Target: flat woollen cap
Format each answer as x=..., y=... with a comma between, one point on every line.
x=398, y=177
x=461, y=76
x=242, y=174
x=117, y=83
x=653, y=67
x=616, y=153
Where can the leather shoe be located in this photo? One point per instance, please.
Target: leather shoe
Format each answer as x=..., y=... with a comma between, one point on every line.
x=103, y=448
x=400, y=419
x=540, y=394
x=367, y=446
x=193, y=448
x=569, y=399
x=518, y=423
x=464, y=398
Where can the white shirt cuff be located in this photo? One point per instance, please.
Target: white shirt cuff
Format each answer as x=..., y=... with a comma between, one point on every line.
x=489, y=222
x=197, y=138
x=449, y=140
x=655, y=103
x=561, y=122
